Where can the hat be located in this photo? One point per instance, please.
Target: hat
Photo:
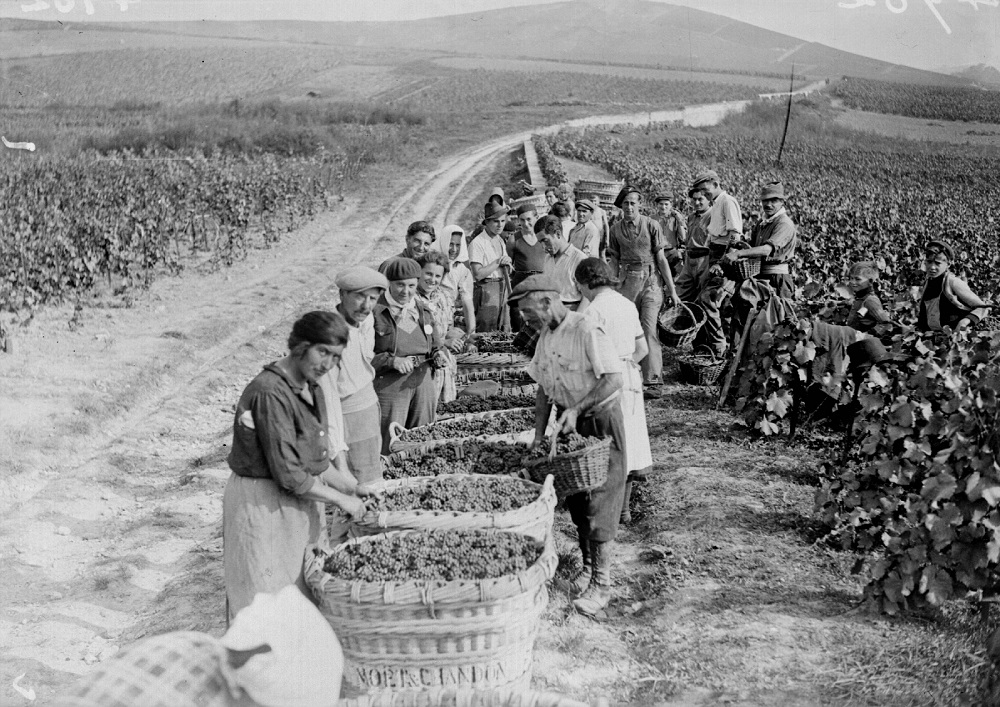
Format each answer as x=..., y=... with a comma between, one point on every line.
x=498, y=192
x=664, y=196
x=866, y=353
x=305, y=663
x=585, y=204
x=708, y=175
x=359, y=277
x=402, y=269
x=525, y=208
x=509, y=225
x=492, y=210
x=772, y=190
x=936, y=247
x=534, y=283
x=626, y=190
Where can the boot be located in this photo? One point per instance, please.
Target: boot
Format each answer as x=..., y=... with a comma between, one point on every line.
x=626, y=516
x=581, y=580
x=598, y=594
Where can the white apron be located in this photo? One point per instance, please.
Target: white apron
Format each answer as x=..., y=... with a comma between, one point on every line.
x=637, y=453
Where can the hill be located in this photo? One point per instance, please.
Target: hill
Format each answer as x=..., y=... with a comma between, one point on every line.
x=624, y=32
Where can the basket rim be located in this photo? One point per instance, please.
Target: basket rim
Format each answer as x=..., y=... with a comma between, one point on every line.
x=427, y=592
x=693, y=309
x=486, y=414
x=596, y=446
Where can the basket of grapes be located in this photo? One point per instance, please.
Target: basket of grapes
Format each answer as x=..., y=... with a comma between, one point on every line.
x=463, y=697
x=463, y=502
x=576, y=463
x=494, y=342
x=496, y=425
x=430, y=609
x=456, y=456
x=491, y=366
x=466, y=404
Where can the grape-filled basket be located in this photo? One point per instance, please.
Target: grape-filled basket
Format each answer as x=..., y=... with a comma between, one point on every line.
x=580, y=465
x=512, y=425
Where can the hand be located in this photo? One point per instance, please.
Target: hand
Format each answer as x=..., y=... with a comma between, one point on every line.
x=715, y=270
x=537, y=442
x=963, y=324
x=504, y=261
x=354, y=507
x=402, y=364
x=730, y=256
x=440, y=359
x=567, y=421
x=675, y=299
x=371, y=488
x=470, y=348
x=456, y=345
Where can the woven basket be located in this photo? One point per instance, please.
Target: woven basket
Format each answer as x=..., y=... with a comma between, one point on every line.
x=700, y=370
x=536, y=200
x=398, y=437
x=412, y=636
x=491, y=366
x=677, y=326
x=533, y=519
x=609, y=190
x=583, y=470
x=748, y=267
x=465, y=698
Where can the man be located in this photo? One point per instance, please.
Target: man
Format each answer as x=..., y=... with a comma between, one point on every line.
x=602, y=220
x=674, y=230
x=526, y=253
x=773, y=240
x=561, y=261
x=491, y=271
x=551, y=197
x=561, y=211
x=420, y=237
x=694, y=268
x=725, y=227
x=360, y=289
x=577, y=370
x=585, y=235
x=635, y=254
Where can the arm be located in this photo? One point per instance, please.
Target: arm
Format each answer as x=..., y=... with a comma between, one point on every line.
x=641, y=348
x=875, y=309
x=470, y=314
x=680, y=229
x=543, y=408
x=968, y=299
x=606, y=386
x=668, y=277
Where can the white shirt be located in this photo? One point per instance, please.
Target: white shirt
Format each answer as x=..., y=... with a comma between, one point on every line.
x=724, y=216
x=356, y=372
x=563, y=268
x=485, y=249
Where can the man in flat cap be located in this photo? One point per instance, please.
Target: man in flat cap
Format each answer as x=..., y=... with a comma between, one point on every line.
x=772, y=240
x=585, y=235
x=577, y=370
x=725, y=227
x=360, y=289
x=491, y=267
x=636, y=255
x=674, y=229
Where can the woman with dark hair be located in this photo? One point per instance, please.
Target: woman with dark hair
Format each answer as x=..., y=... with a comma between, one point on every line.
x=619, y=319
x=407, y=350
x=282, y=472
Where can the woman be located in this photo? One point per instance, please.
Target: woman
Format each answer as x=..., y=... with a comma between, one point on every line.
x=620, y=321
x=406, y=350
x=434, y=266
x=458, y=282
x=282, y=473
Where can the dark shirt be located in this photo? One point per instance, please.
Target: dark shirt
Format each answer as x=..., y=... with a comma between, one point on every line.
x=636, y=243
x=527, y=258
x=390, y=342
x=288, y=440
x=866, y=311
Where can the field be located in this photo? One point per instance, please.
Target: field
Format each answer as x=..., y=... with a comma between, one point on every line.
x=118, y=398
x=932, y=102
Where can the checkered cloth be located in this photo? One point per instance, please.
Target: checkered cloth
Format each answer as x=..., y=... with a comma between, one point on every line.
x=180, y=669
x=526, y=339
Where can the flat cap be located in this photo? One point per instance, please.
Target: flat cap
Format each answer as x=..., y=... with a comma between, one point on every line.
x=525, y=208
x=359, y=277
x=585, y=204
x=772, y=190
x=534, y=283
x=709, y=175
x=402, y=269
x=939, y=247
x=664, y=196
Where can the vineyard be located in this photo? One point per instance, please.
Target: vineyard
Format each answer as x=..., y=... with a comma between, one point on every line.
x=931, y=102
x=911, y=481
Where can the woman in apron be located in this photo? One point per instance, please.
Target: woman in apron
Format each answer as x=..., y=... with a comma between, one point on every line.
x=620, y=321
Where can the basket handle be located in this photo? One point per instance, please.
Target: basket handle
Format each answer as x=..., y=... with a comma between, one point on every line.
x=683, y=305
x=395, y=430
x=553, y=438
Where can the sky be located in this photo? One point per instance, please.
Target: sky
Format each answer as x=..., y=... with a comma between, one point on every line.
x=929, y=34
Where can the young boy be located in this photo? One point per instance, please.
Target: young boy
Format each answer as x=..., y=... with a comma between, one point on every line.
x=946, y=300
x=866, y=311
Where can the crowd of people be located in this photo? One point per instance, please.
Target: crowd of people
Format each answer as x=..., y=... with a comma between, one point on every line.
x=582, y=297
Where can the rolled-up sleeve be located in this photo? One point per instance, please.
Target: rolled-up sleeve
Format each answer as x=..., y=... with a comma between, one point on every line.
x=601, y=353
x=274, y=420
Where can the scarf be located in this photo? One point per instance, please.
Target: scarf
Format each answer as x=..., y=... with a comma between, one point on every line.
x=405, y=314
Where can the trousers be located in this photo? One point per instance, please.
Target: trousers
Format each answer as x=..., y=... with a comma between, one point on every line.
x=596, y=513
x=641, y=285
x=408, y=399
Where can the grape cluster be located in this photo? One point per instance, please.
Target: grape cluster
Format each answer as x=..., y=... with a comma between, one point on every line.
x=473, y=457
x=495, y=342
x=461, y=494
x=572, y=442
x=434, y=555
x=495, y=425
x=471, y=403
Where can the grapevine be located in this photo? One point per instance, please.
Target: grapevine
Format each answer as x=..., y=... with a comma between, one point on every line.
x=443, y=555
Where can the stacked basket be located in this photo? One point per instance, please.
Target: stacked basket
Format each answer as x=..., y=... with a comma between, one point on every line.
x=604, y=191
x=508, y=367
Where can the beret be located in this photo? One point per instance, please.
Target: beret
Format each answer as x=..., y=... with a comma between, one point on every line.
x=709, y=175
x=534, y=283
x=402, y=269
x=772, y=190
x=626, y=190
x=359, y=277
x=525, y=208
x=585, y=204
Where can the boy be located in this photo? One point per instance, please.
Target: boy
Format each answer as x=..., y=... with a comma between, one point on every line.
x=946, y=300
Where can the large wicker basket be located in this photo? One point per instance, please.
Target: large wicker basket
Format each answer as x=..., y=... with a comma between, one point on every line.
x=583, y=470
x=700, y=370
x=533, y=519
x=536, y=200
x=412, y=636
x=461, y=445
x=491, y=366
x=601, y=189
x=398, y=438
x=466, y=698
x=679, y=325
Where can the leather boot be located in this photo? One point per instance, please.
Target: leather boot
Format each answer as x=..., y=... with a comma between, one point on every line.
x=626, y=516
x=581, y=580
x=598, y=594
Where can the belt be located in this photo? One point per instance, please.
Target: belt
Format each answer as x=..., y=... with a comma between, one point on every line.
x=774, y=269
x=698, y=252
x=637, y=265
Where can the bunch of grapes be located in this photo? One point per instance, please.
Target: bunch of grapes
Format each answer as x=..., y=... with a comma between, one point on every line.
x=463, y=495
x=572, y=442
x=473, y=457
x=434, y=555
x=471, y=403
x=512, y=422
x=495, y=342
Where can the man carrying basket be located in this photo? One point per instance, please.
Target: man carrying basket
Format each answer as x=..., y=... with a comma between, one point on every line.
x=577, y=369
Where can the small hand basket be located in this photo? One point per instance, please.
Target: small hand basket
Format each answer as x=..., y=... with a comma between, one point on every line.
x=679, y=325
x=748, y=267
x=701, y=370
x=583, y=470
